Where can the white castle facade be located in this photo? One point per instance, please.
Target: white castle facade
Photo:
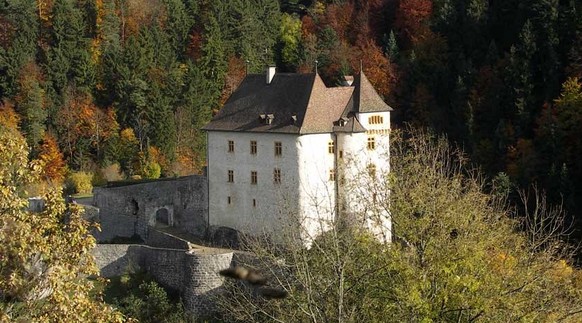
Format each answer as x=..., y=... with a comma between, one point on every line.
x=287, y=150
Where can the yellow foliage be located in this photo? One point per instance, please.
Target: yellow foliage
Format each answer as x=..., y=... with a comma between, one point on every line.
x=503, y=263
x=44, y=257
x=8, y=117
x=80, y=182
x=561, y=270
x=128, y=136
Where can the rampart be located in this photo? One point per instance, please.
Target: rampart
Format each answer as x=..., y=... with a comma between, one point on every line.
x=193, y=273
x=130, y=210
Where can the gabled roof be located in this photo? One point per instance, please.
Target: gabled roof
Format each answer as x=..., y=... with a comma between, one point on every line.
x=296, y=103
x=325, y=106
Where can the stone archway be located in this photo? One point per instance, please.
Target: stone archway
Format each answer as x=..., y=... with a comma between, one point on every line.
x=163, y=216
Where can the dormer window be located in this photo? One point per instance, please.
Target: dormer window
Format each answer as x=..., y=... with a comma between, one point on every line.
x=267, y=118
x=342, y=122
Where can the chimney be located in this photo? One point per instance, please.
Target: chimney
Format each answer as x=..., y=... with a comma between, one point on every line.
x=270, y=73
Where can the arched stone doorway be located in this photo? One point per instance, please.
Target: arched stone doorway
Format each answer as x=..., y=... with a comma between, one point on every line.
x=162, y=216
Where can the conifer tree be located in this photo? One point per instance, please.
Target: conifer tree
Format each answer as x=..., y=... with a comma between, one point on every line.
x=21, y=30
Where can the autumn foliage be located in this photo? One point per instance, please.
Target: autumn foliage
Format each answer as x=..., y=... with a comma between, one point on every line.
x=54, y=167
x=412, y=19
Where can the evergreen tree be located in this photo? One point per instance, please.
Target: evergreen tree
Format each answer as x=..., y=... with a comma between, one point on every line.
x=521, y=77
x=21, y=30
x=214, y=59
x=178, y=25
x=392, y=47
x=30, y=103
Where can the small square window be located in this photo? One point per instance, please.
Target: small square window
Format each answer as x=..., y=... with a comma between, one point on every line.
x=277, y=175
x=253, y=177
x=253, y=147
x=331, y=147
x=278, y=148
x=231, y=176
x=371, y=143
x=231, y=146
x=332, y=175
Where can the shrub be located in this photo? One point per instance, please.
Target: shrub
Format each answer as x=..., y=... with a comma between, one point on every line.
x=112, y=173
x=80, y=182
x=139, y=297
x=152, y=170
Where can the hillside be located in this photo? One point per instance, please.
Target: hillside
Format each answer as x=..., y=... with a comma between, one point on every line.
x=120, y=88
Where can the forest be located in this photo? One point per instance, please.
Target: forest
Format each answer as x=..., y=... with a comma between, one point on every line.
x=102, y=90
x=114, y=89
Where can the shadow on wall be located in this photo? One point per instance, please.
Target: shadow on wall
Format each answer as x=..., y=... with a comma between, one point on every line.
x=193, y=273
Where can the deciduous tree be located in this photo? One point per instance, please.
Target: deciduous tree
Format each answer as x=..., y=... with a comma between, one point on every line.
x=457, y=255
x=44, y=257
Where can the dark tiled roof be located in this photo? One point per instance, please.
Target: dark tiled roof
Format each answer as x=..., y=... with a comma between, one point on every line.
x=366, y=97
x=285, y=97
x=296, y=103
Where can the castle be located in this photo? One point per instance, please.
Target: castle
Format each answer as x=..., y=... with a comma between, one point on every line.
x=284, y=147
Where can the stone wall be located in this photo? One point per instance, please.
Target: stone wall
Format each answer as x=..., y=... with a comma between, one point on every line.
x=202, y=281
x=129, y=210
x=193, y=273
x=160, y=239
x=117, y=259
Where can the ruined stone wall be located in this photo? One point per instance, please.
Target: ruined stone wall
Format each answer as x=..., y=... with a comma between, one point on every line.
x=130, y=210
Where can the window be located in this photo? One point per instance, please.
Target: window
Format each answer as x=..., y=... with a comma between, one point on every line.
x=253, y=147
x=229, y=200
x=254, y=203
x=277, y=175
x=254, y=177
x=330, y=147
x=278, y=148
x=371, y=143
x=341, y=154
x=376, y=120
x=231, y=146
x=231, y=176
x=372, y=170
x=332, y=175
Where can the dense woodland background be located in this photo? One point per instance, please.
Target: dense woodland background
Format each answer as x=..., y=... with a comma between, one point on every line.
x=121, y=88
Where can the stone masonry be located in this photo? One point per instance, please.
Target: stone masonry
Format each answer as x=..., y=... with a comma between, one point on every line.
x=130, y=210
x=191, y=272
